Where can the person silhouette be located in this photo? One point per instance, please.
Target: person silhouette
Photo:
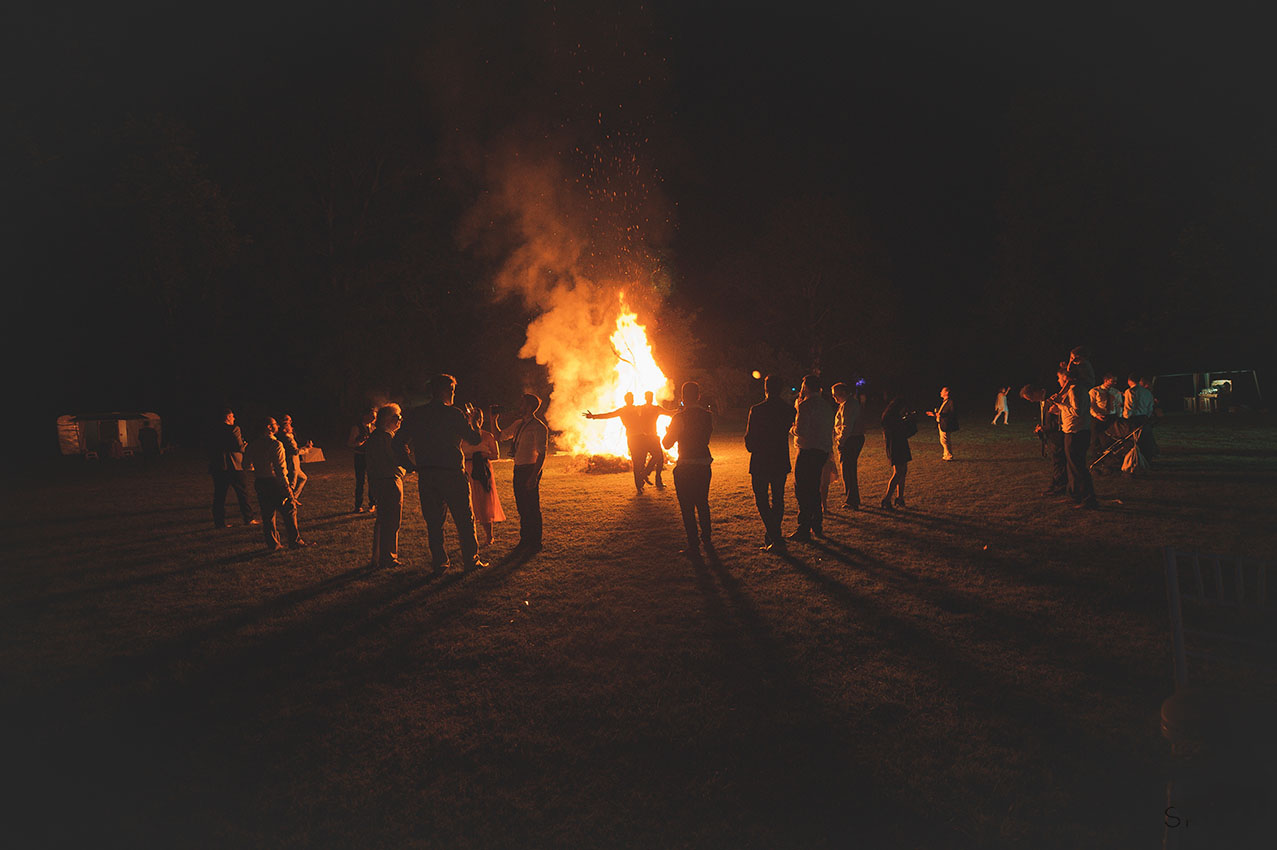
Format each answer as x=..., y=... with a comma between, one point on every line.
x=632, y=418
x=270, y=479
x=814, y=434
x=433, y=433
x=767, y=441
x=388, y=462
x=652, y=413
x=292, y=457
x=897, y=427
x=226, y=465
x=849, y=439
x=531, y=439
x=359, y=435
x=690, y=430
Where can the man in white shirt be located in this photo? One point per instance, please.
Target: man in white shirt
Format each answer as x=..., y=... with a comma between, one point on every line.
x=531, y=441
x=1075, y=415
x=1105, y=406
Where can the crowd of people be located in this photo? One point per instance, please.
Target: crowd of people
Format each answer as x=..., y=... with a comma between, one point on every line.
x=449, y=448
x=1089, y=425
x=1082, y=424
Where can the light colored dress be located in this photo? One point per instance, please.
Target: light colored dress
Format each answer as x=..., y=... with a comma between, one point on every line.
x=484, y=502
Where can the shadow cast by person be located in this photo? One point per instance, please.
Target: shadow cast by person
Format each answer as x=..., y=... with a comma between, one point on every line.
x=81, y=518
x=795, y=734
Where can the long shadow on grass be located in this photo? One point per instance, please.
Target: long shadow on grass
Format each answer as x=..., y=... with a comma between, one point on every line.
x=308, y=643
x=81, y=518
x=1023, y=561
x=144, y=580
x=827, y=787
x=1008, y=701
x=984, y=616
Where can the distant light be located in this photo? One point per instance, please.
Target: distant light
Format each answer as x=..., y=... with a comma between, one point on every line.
x=757, y=374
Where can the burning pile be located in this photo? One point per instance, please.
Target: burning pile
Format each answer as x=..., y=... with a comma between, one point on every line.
x=632, y=369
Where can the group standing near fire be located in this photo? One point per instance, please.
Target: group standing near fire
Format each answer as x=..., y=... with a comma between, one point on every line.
x=1083, y=425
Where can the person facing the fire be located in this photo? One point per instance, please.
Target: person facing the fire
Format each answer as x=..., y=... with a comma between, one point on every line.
x=359, y=435
x=767, y=441
x=292, y=456
x=633, y=418
x=1048, y=431
x=897, y=427
x=652, y=412
x=387, y=465
x=946, y=417
x=849, y=439
x=1074, y=406
x=814, y=434
x=531, y=439
x=226, y=465
x=690, y=430
x=433, y=433
x=274, y=494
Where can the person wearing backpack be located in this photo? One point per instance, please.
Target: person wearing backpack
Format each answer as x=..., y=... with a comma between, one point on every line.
x=897, y=427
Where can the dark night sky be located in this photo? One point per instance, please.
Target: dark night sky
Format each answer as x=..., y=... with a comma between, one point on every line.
x=903, y=115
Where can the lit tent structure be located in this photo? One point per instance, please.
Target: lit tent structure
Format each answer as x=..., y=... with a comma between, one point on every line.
x=94, y=432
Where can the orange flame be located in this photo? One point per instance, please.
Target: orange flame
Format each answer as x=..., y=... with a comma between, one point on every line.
x=635, y=372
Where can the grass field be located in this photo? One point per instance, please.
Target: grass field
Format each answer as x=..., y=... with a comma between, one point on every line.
x=983, y=669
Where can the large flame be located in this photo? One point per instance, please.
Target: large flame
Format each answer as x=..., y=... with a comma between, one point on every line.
x=635, y=372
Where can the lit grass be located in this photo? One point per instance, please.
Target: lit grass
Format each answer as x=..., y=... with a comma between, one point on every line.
x=983, y=669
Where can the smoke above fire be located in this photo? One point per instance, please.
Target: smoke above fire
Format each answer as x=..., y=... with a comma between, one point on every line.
x=591, y=281
x=549, y=122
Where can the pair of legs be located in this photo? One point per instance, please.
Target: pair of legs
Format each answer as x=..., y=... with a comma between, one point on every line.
x=387, y=492
x=827, y=473
x=361, y=472
x=1081, y=488
x=297, y=478
x=808, y=468
x=445, y=491
x=769, y=496
x=1002, y=413
x=230, y=479
x=1054, y=449
x=946, y=444
x=897, y=484
x=275, y=498
x=638, y=462
x=849, y=454
x=527, y=499
x=691, y=484
x=656, y=461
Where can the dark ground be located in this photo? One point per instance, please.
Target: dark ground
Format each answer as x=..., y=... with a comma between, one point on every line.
x=982, y=670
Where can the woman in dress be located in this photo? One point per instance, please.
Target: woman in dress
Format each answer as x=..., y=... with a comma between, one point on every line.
x=1000, y=408
x=897, y=428
x=483, y=489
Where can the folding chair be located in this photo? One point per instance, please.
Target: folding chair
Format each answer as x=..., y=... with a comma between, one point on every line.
x=1135, y=435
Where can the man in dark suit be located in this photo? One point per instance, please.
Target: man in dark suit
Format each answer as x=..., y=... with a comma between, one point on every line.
x=433, y=433
x=226, y=464
x=767, y=441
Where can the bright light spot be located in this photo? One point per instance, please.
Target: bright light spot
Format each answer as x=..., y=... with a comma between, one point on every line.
x=757, y=374
x=637, y=373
